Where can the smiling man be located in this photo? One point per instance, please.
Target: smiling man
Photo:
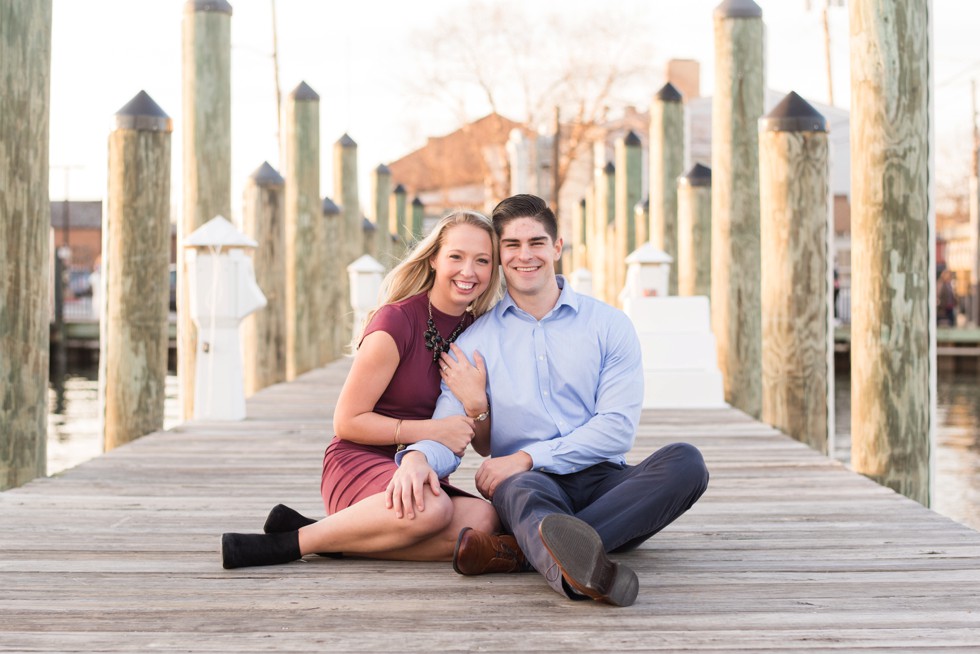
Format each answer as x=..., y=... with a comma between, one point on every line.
x=565, y=388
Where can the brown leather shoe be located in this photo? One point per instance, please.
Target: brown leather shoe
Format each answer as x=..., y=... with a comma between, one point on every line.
x=479, y=553
x=578, y=551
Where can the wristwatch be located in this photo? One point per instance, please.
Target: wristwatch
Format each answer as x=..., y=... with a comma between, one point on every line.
x=483, y=416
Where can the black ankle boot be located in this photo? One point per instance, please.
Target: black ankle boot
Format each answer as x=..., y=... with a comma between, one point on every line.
x=282, y=518
x=246, y=550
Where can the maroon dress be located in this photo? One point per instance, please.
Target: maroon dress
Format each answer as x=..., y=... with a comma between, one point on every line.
x=353, y=471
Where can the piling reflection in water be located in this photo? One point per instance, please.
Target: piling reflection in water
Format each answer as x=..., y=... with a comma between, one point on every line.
x=73, y=416
x=957, y=465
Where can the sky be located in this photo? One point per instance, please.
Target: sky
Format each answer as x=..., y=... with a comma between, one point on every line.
x=357, y=56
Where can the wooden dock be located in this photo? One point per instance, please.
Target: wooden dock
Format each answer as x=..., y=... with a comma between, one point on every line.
x=786, y=550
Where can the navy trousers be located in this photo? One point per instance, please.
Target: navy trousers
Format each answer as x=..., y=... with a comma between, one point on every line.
x=625, y=504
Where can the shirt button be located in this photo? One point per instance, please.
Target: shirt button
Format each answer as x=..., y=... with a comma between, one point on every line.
x=546, y=393
x=541, y=357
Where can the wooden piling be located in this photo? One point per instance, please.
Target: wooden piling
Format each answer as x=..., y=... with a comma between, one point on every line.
x=694, y=232
x=735, y=284
x=332, y=338
x=629, y=186
x=206, y=155
x=380, y=192
x=134, y=331
x=305, y=267
x=264, y=332
x=893, y=380
x=641, y=219
x=580, y=238
x=589, y=228
x=349, y=228
x=666, y=164
x=604, y=203
x=397, y=209
x=418, y=214
x=797, y=341
x=25, y=225
x=369, y=237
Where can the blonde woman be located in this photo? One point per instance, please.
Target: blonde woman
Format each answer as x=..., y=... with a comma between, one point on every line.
x=450, y=278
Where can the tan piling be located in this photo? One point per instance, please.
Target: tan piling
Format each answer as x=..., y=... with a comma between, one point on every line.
x=641, y=220
x=380, y=197
x=25, y=225
x=629, y=186
x=893, y=334
x=206, y=155
x=694, y=232
x=264, y=332
x=735, y=284
x=305, y=267
x=666, y=164
x=605, y=222
x=350, y=228
x=397, y=209
x=369, y=237
x=134, y=333
x=418, y=215
x=797, y=343
x=580, y=238
x=331, y=343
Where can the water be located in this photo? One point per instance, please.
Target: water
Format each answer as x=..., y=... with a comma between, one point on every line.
x=73, y=417
x=957, y=456
x=73, y=434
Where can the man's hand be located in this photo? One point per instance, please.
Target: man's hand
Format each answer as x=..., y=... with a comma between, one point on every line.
x=495, y=470
x=405, y=491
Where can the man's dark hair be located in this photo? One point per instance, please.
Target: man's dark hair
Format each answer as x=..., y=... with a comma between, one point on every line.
x=525, y=206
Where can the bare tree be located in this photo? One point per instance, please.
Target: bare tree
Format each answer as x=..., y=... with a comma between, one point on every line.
x=492, y=57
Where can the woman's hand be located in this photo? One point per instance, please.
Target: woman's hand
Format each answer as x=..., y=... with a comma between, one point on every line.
x=406, y=490
x=455, y=432
x=467, y=382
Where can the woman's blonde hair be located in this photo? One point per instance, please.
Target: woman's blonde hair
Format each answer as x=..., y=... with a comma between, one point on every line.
x=414, y=274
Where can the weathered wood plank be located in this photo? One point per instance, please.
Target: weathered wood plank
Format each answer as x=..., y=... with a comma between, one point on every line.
x=786, y=550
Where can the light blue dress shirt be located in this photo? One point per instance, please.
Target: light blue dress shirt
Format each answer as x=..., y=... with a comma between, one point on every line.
x=566, y=389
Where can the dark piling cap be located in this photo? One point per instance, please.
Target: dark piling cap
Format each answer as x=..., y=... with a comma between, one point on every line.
x=367, y=225
x=793, y=114
x=738, y=9
x=609, y=168
x=581, y=203
x=668, y=93
x=142, y=113
x=698, y=175
x=346, y=141
x=266, y=175
x=329, y=208
x=631, y=139
x=212, y=6
x=399, y=189
x=382, y=170
x=417, y=202
x=303, y=93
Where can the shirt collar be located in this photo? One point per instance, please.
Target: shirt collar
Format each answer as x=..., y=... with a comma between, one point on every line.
x=567, y=297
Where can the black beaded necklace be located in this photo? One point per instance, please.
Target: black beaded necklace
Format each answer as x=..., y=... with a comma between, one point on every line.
x=434, y=340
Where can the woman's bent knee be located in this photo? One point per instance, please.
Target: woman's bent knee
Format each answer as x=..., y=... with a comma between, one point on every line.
x=436, y=516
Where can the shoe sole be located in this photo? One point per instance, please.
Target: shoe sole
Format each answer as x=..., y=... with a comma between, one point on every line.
x=578, y=550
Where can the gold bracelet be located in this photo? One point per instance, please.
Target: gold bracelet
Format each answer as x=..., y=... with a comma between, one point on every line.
x=398, y=428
